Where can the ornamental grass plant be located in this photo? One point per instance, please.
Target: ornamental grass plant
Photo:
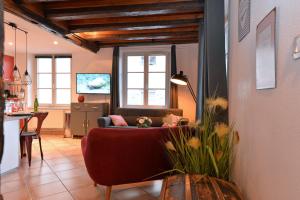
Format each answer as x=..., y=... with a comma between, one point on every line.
x=205, y=147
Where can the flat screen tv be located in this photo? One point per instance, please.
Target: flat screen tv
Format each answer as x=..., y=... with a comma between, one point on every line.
x=92, y=83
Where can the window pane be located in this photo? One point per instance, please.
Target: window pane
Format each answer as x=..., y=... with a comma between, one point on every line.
x=156, y=97
x=135, y=97
x=44, y=65
x=44, y=81
x=157, y=80
x=63, y=65
x=63, y=96
x=135, y=63
x=135, y=80
x=157, y=63
x=44, y=96
x=63, y=81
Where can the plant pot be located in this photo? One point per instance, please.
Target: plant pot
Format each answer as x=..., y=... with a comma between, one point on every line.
x=198, y=187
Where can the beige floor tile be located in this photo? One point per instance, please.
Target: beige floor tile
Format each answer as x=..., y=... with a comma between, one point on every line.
x=87, y=193
x=47, y=189
x=78, y=182
x=12, y=176
x=21, y=194
x=65, y=166
x=59, y=196
x=40, y=180
x=72, y=173
x=12, y=186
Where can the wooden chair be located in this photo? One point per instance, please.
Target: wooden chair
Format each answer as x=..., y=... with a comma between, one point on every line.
x=26, y=137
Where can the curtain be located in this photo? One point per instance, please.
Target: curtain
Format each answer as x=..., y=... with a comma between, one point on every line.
x=212, y=78
x=1, y=82
x=114, y=94
x=174, y=88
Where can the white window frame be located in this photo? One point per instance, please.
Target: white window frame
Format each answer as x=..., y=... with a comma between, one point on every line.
x=53, y=104
x=146, y=76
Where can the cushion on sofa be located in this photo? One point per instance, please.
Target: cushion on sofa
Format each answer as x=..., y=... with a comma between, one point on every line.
x=118, y=120
x=171, y=120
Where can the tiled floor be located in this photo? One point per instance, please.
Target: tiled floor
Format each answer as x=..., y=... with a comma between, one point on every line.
x=62, y=175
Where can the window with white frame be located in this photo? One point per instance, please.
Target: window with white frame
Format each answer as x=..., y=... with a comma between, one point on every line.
x=145, y=80
x=54, y=80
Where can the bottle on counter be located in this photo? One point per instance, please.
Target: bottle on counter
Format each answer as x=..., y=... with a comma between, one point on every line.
x=36, y=105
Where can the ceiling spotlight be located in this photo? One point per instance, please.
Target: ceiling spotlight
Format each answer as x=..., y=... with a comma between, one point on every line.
x=10, y=43
x=55, y=43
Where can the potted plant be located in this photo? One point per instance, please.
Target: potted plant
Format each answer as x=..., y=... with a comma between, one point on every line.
x=204, y=154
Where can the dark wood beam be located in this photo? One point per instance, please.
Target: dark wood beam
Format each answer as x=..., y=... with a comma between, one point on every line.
x=139, y=36
x=133, y=26
x=103, y=3
x=91, y=35
x=150, y=42
x=24, y=12
x=154, y=18
x=45, y=1
x=124, y=11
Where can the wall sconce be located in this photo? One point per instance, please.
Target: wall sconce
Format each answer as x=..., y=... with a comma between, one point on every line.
x=296, y=53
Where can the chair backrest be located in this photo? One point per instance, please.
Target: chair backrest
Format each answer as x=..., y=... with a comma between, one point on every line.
x=41, y=116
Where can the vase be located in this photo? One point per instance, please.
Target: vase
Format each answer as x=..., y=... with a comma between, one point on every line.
x=80, y=99
x=198, y=187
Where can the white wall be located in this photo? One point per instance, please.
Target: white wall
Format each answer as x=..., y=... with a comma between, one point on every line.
x=187, y=61
x=87, y=62
x=267, y=164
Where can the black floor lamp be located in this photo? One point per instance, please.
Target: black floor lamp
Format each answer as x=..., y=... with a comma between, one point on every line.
x=181, y=79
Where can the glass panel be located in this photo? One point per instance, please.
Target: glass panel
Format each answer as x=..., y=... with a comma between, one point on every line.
x=135, y=97
x=63, y=65
x=44, y=96
x=44, y=81
x=157, y=80
x=157, y=63
x=135, y=80
x=156, y=97
x=63, y=80
x=63, y=96
x=135, y=63
x=44, y=65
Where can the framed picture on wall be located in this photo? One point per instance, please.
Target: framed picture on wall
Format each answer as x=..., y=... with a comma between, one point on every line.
x=244, y=18
x=266, y=52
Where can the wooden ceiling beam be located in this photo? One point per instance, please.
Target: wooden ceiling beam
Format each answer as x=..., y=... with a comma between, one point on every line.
x=124, y=11
x=24, y=12
x=138, y=36
x=55, y=4
x=91, y=35
x=133, y=26
x=115, y=20
x=150, y=42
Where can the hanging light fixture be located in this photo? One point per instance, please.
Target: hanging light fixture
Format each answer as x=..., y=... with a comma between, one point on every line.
x=16, y=73
x=26, y=80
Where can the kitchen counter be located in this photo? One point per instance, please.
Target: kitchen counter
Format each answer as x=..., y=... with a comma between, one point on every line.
x=11, y=153
x=11, y=118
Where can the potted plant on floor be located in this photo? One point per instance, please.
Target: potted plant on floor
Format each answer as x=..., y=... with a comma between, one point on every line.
x=204, y=154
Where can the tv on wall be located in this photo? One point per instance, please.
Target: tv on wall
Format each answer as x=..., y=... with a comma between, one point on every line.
x=92, y=83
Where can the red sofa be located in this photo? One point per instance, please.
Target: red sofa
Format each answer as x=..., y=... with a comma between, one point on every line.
x=115, y=156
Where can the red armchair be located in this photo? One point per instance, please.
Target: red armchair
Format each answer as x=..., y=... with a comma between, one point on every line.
x=115, y=156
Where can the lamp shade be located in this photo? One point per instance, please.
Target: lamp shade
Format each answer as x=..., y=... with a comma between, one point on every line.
x=179, y=79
